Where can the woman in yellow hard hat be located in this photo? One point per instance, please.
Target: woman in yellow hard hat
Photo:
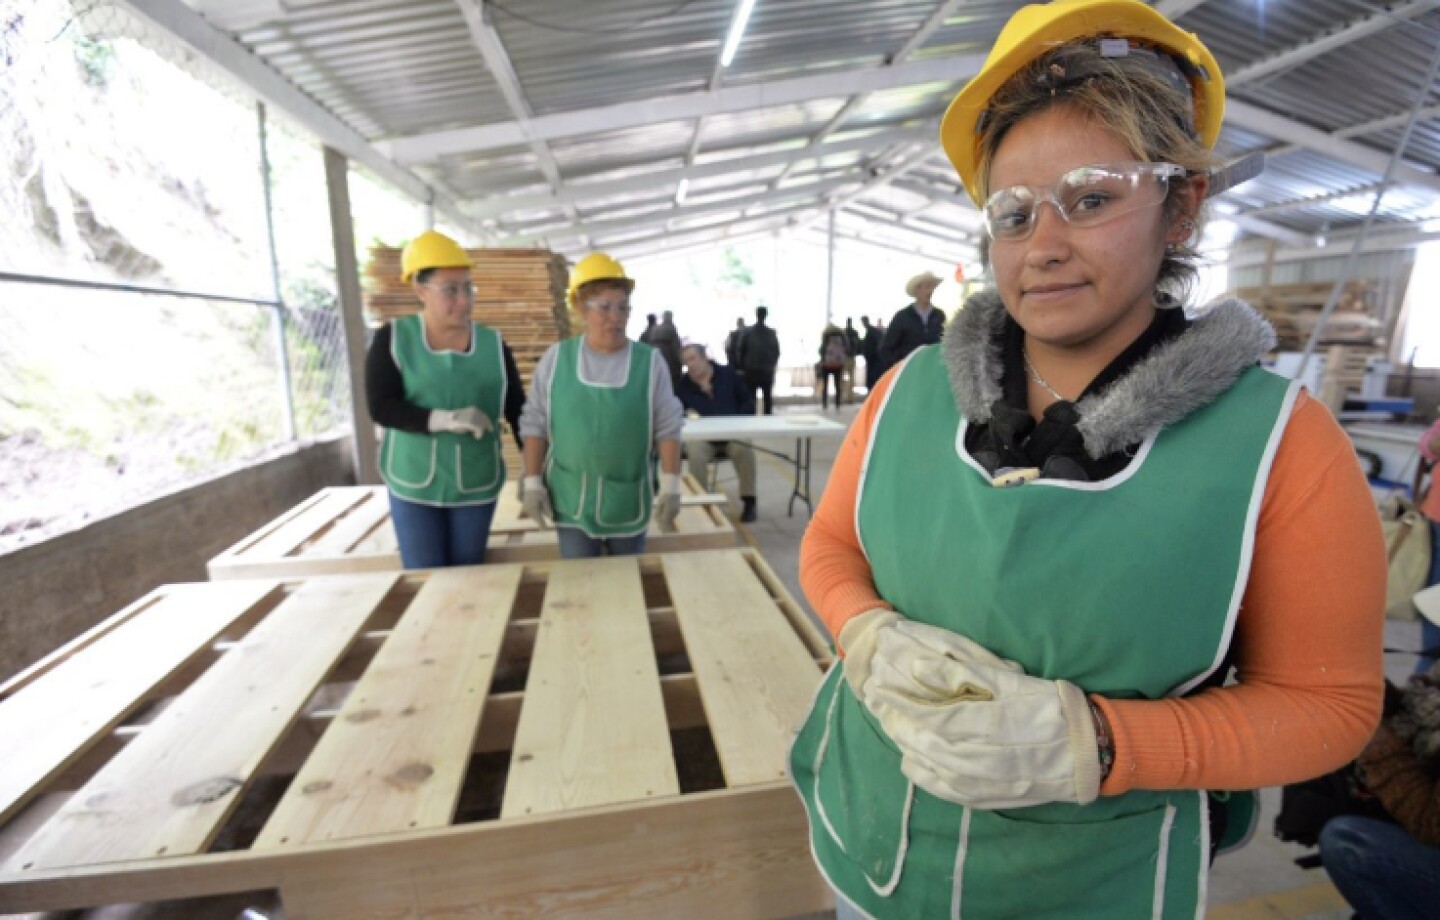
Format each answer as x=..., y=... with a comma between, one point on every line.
x=599, y=405
x=437, y=381
x=1118, y=505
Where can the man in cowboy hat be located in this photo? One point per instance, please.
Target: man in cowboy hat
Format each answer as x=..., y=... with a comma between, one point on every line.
x=916, y=325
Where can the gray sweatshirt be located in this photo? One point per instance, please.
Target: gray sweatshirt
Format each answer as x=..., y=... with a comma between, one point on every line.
x=667, y=416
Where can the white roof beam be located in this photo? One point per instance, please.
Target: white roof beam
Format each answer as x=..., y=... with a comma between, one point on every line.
x=923, y=251
x=728, y=232
x=922, y=35
x=1173, y=9
x=1359, y=28
x=1404, y=236
x=1297, y=203
x=193, y=31
x=1265, y=228
x=898, y=168
x=426, y=147
x=1338, y=148
x=1397, y=120
x=659, y=217
x=575, y=192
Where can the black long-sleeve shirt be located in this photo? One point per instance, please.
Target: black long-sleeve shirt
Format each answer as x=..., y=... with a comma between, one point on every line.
x=385, y=391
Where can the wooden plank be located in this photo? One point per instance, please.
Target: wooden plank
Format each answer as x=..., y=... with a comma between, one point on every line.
x=285, y=539
x=52, y=721
x=756, y=677
x=395, y=757
x=593, y=728
x=169, y=790
x=372, y=511
x=709, y=855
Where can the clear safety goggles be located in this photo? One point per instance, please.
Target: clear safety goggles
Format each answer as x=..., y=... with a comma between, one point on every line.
x=454, y=291
x=609, y=307
x=1086, y=196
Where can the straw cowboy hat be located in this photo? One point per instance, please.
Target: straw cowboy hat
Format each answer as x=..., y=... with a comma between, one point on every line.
x=914, y=284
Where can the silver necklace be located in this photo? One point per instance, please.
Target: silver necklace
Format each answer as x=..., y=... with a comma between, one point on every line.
x=1035, y=375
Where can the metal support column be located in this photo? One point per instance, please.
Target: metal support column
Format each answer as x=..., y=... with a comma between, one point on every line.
x=347, y=278
x=277, y=312
x=830, y=271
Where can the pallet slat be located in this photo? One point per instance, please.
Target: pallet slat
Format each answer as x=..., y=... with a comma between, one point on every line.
x=395, y=756
x=55, y=719
x=169, y=790
x=756, y=678
x=593, y=730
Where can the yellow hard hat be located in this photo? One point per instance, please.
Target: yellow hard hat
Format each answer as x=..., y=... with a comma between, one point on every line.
x=431, y=249
x=1039, y=28
x=597, y=266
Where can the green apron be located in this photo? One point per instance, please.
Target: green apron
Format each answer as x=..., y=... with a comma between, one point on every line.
x=1128, y=587
x=598, y=471
x=444, y=468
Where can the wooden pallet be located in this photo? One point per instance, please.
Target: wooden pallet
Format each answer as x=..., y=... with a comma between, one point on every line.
x=591, y=738
x=347, y=529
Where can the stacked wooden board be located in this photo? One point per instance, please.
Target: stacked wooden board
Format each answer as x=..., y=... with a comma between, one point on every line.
x=590, y=738
x=519, y=292
x=348, y=529
x=1293, y=310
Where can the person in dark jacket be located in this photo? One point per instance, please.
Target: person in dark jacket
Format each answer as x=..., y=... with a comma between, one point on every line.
x=916, y=325
x=732, y=344
x=714, y=389
x=759, y=356
x=870, y=351
x=649, y=331
x=665, y=338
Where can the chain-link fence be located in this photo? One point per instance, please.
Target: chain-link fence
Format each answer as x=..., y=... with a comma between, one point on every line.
x=164, y=315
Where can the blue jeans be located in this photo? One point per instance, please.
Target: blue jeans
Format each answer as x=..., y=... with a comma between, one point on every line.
x=843, y=910
x=1381, y=870
x=431, y=536
x=1429, y=632
x=577, y=544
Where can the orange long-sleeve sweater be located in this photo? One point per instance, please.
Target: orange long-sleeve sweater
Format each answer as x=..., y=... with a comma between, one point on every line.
x=1308, y=635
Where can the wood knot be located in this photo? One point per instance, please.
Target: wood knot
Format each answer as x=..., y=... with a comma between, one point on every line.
x=205, y=791
x=412, y=774
x=320, y=785
x=363, y=715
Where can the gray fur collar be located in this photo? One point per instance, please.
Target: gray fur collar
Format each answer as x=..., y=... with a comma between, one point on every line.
x=1174, y=380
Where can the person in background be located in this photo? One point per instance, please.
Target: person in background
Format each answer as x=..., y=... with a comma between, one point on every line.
x=1427, y=497
x=831, y=365
x=759, y=356
x=599, y=404
x=713, y=389
x=1391, y=870
x=852, y=351
x=732, y=344
x=870, y=351
x=916, y=325
x=437, y=381
x=666, y=340
x=648, y=332
x=1045, y=543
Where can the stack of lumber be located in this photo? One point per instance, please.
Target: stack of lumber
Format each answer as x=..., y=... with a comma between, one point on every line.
x=1293, y=309
x=518, y=292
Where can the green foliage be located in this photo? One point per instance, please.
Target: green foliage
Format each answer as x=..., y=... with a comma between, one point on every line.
x=734, y=271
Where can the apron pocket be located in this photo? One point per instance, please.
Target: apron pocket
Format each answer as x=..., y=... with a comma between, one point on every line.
x=410, y=458
x=1104, y=870
x=861, y=795
x=567, y=491
x=621, y=503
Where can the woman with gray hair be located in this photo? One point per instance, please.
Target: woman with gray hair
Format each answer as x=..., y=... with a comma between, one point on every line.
x=1118, y=505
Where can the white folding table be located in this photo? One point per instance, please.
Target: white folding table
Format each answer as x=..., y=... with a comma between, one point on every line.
x=750, y=428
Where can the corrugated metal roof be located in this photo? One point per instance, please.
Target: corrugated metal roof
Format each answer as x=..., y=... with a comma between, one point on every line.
x=408, y=71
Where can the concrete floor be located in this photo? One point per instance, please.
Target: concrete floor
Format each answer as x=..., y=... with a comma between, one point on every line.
x=1260, y=882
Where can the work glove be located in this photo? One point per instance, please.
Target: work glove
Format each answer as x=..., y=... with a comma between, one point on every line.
x=667, y=505
x=858, y=640
x=985, y=735
x=468, y=420
x=535, y=499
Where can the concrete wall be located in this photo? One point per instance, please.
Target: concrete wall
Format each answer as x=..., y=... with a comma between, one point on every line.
x=55, y=590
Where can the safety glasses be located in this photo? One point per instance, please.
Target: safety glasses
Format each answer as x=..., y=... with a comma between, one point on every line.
x=1086, y=196
x=463, y=289
x=609, y=307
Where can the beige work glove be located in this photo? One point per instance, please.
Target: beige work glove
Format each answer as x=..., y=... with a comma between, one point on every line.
x=468, y=420
x=535, y=499
x=858, y=639
x=667, y=504
x=986, y=735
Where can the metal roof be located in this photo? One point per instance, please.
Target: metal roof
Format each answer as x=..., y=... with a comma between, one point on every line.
x=573, y=124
